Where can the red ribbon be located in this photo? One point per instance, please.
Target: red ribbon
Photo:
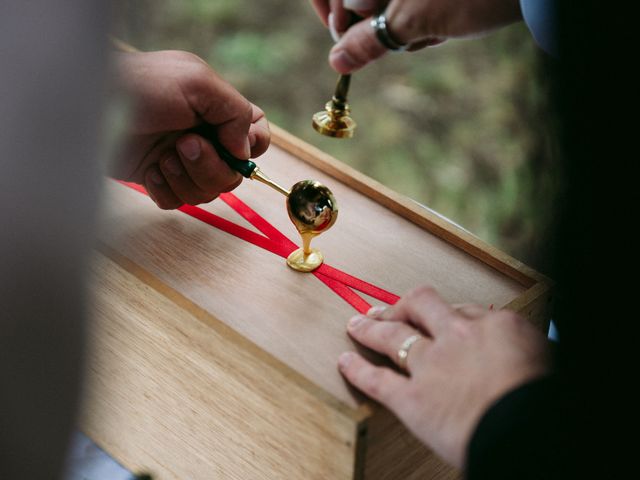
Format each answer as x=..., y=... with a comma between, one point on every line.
x=275, y=242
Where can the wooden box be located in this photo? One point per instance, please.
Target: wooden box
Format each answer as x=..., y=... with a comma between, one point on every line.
x=210, y=359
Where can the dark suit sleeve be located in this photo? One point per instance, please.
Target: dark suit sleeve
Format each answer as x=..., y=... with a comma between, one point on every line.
x=524, y=435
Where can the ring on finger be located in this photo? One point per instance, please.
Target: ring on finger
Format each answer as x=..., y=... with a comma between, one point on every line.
x=379, y=25
x=403, y=351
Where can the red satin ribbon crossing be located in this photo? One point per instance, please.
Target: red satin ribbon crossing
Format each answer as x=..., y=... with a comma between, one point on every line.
x=275, y=242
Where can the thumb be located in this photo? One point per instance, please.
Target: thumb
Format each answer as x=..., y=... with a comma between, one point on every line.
x=357, y=47
x=219, y=104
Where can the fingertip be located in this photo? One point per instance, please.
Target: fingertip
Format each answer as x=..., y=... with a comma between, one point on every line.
x=322, y=9
x=233, y=134
x=332, y=28
x=210, y=175
x=344, y=360
x=246, y=154
x=259, y=138
x=189, y=147
x=159, y=190
x=376, y=311
x=343, y=18
x=172, y=165
x=357, y=47
x=233, y=185
x=342, y=62
x=237, y=145
x=156, y=177
x=380, y=383
x=355, y=321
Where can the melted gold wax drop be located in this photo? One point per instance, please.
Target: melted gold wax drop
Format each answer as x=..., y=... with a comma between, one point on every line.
x=305, y=259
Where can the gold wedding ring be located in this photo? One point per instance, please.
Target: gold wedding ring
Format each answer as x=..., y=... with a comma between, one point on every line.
x=403, y=352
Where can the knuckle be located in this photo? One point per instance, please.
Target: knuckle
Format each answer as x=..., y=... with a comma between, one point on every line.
x=407, y=27
x=194, y=62
x=460, y=327
x=182, y=55
x=238, y=111
x=245, y=111
x=374, y=383
x=413, y=395
x=372, y=49
x=421, y=292
x=363, y=328
x=192, y=67
x=257, y=112
x=386, y=331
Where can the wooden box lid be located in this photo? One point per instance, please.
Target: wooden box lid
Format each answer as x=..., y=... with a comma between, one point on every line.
x=295, y=318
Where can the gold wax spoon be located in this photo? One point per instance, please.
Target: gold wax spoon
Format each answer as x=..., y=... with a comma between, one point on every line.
x=311, y=206
x=313, y=209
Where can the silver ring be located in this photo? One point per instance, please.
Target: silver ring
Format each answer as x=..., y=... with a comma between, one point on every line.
x=379, y=25
x=403, y=351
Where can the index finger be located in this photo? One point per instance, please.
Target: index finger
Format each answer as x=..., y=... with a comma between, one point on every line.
x=423, y=308
x=380, y=383
x=219, y=104
x=204, y=166
x=357, y=47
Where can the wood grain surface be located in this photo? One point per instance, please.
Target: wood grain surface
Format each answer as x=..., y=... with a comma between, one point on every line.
x=187, y=398
x=419, y=214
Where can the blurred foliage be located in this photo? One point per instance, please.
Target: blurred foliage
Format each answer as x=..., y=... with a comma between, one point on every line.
x=459, y=127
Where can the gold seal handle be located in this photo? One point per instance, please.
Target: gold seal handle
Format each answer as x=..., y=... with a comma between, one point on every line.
x=335, y=120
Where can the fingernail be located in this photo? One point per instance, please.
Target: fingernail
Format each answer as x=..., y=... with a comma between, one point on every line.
x=157, y=178
x=344, y=360
x=358, y=5
x=174, y=166
x=190, y=148
x=375, y=311
x=252, y=140
x=332, y=28
x=342, y=61
x=355, y=321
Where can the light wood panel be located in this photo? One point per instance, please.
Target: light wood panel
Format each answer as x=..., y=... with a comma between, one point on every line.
x=194, y=400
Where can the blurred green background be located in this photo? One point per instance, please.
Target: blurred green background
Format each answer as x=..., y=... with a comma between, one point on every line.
x=460, y=127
